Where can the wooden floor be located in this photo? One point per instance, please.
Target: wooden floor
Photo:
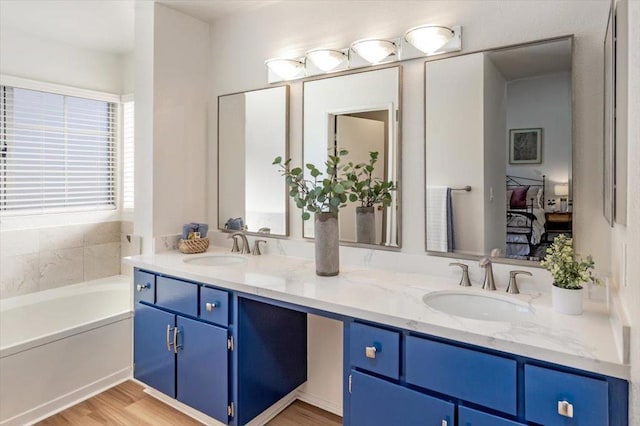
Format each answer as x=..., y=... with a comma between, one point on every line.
x=127, y=404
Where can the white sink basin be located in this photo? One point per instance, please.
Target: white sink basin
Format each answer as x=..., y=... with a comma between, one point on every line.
x=215, y=260
x=478, y=306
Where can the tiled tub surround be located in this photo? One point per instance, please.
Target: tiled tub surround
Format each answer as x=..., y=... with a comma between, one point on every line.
x=395, y=299
x=40, y=259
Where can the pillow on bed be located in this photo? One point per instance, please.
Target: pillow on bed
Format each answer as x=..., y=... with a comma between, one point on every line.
x=519, y=197
x=509, y=192
x=535, y=194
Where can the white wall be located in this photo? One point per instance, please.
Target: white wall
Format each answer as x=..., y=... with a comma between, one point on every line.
x=625, y=246
x=172, y=87
x=290, y=28
x=543, y=102
x=455, y=95
x=27, y=56
x=495, y=124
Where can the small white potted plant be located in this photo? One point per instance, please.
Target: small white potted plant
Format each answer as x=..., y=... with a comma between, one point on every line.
x=570, y=272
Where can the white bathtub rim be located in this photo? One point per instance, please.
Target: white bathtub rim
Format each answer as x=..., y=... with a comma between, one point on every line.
x=64, y=333
x=100, y=284
x=75, y=397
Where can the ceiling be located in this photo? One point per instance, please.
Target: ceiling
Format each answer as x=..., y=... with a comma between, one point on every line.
x=104, y=25
x=533, y=60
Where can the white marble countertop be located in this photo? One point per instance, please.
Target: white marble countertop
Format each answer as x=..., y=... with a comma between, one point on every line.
x=395, y=298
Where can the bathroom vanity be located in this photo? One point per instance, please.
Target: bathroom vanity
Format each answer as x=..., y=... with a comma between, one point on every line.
x=231, y=341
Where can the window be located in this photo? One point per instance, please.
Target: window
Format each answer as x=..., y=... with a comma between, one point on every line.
x=128, y=119
x=58, y=152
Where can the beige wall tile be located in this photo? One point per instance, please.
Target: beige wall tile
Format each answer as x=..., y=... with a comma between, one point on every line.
x=60, y=267
x=102, y=260
x=61, y=237
x=14, y=243
x=102, y=233
x=126, y=227
x=18, y=275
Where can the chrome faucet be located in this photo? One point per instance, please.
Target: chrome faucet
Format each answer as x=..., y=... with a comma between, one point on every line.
x=256, y=247
x=513, y=283
x=245, y=243
x=464, y=280
x=489, y=283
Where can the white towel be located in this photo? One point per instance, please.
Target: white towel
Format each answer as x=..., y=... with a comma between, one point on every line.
x=437, y=218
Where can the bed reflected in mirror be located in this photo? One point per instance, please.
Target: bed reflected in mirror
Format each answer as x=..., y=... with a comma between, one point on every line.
x=499, y=121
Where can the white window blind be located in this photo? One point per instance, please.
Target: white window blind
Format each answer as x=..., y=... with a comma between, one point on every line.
x=58, y=152
x=128, y=120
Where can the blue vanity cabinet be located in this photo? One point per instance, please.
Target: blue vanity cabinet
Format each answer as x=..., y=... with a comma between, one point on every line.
x=178, y=354
x=376, y=401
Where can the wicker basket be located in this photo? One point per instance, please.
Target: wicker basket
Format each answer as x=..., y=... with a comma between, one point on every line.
x=197, y=245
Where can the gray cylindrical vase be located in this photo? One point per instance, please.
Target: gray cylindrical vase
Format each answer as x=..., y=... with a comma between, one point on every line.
x=327, y=249
x=365, y=225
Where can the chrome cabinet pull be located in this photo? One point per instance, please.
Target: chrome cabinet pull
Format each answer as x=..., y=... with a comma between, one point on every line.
x=141, y=287
x=168, y=337
x=565, y=408
x=444, y=422
x=176, y=346
x=211, y=306
x=370, y=351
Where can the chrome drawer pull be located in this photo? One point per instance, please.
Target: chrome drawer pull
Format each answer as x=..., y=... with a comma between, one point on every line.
x=370, y=351
x=141, y=287
x=211, y=306
x=565, y=409
x=444, y=423
x=176, y=346
x=168, y=337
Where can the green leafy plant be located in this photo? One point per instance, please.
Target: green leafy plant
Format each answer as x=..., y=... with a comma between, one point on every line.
x=325, y=193
x=568, y=269
x=365, y=188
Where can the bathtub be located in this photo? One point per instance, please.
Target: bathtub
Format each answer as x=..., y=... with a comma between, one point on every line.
x=61, y=346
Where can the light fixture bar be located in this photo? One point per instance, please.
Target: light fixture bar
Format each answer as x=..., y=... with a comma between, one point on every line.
x=417, y=42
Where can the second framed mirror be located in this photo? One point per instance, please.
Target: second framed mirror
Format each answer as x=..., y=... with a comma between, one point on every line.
x=359, y=113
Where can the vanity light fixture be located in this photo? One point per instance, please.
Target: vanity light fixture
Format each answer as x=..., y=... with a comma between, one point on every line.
x=428, y=38
x=373, y=50
x=326, y=59
x=285, y=68
x=416, y=42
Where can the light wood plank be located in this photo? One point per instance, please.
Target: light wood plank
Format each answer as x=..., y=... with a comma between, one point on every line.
x=128, y=405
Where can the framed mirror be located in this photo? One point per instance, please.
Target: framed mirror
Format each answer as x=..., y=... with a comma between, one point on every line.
x=360, y=113
x=499, y=151
x=252, y=131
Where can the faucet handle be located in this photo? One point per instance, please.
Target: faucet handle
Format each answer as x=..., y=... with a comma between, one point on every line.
x=464, y=280
x=234, y=247
x=513, y=282
x=256, y=247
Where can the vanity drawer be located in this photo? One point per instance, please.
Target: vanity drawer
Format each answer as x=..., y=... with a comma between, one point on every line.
x=144, y=286
x=214, y=306
x=474, y=376
x=375, y=349
x=179, y=296
x=470, y=417
x=553, y=397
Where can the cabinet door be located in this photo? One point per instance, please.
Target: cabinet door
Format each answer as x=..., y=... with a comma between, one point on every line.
x=203, y=367
x=153, y=357
x=377, y=402
x=471, y=417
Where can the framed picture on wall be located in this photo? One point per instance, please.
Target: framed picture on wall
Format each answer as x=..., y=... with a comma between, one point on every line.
x=525, y=146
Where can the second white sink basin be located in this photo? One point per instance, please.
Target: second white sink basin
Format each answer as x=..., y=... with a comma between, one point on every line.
x=215, y=260
x=478, y=306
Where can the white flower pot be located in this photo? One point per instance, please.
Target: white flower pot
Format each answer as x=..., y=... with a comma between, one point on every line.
x=567, y=301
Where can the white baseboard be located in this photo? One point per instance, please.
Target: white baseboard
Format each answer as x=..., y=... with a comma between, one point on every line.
x=320, y=402
x=275, y=409
x=70, y=399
